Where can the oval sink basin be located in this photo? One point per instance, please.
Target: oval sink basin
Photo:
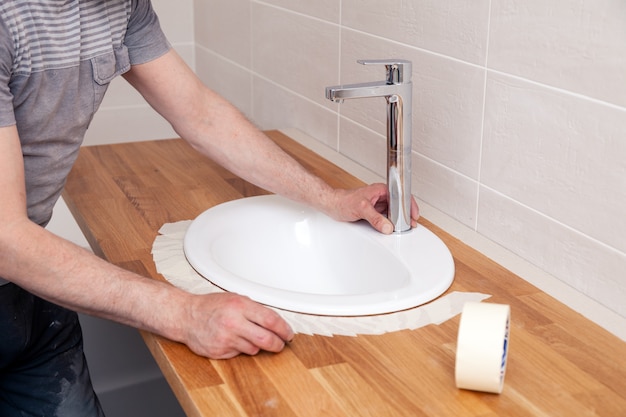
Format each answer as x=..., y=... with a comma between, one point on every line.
x=290, y=256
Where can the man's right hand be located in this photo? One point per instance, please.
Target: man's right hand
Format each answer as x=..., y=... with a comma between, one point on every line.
x=225, y=325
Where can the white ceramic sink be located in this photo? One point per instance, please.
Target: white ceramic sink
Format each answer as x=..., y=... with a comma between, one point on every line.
x=292, y=257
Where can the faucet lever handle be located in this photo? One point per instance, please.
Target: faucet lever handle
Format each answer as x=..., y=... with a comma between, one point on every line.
x=398, y=70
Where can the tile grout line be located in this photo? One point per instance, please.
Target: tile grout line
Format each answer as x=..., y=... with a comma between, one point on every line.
x=482, y=122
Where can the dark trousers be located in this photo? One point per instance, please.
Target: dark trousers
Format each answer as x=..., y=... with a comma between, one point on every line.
x=43, y=371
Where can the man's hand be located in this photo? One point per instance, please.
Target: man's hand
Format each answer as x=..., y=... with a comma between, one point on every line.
x=224, y=325
x=367, y=203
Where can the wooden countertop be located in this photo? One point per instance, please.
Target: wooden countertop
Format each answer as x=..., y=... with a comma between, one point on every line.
x=560, y=364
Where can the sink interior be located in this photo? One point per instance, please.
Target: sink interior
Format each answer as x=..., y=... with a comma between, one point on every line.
x=292, y=257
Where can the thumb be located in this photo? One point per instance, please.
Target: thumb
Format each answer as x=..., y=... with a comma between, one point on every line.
x=378, y=220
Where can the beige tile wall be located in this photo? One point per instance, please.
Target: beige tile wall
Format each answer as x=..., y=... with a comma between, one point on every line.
x=519, y=109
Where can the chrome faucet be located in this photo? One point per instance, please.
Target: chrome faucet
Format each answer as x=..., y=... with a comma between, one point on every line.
x=396, y=89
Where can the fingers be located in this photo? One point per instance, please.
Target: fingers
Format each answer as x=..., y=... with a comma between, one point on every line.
x=228, y=324
x=274, y=327
x=376, y=219
x=415, y=212
x=370, y=203
x=367, y=203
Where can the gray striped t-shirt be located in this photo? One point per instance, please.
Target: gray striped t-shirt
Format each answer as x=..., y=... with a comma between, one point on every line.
x=55, y=34
x=57, y=58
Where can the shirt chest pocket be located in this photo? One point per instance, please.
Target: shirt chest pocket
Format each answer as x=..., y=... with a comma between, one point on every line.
x=110, y=65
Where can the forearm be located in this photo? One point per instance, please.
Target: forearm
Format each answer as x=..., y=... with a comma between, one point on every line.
x=238, y=145
x=68, y=275
x=218, y=130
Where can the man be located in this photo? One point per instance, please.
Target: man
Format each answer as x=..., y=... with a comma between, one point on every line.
x=57, y=58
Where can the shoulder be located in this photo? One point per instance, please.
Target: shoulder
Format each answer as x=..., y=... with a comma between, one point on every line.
x=144, y=38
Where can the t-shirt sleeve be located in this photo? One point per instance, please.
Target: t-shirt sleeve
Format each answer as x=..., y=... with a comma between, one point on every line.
x=144, y=38
x=7, y=116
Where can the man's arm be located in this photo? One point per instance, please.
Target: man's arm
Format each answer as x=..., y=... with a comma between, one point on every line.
x=218, y=130
x=217, y=325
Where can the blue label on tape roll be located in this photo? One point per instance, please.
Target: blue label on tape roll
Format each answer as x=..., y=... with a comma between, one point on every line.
x=505, y=349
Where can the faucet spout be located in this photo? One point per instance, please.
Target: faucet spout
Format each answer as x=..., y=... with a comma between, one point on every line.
x=362, y=90
x=397, y=91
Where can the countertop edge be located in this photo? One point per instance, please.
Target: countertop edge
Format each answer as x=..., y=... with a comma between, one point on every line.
x=583, y=304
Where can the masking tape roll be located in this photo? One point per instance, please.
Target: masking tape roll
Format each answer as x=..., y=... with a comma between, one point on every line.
x=482, y=347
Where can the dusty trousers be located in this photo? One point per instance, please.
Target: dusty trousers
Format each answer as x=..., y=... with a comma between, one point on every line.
x=43, y=371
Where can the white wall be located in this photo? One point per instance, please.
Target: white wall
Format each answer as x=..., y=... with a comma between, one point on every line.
x=519, y=109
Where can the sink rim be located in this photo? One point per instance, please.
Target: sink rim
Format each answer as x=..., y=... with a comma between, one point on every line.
x=412, y=293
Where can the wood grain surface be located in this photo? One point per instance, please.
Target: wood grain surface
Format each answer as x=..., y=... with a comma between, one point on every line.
x=560, y=364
